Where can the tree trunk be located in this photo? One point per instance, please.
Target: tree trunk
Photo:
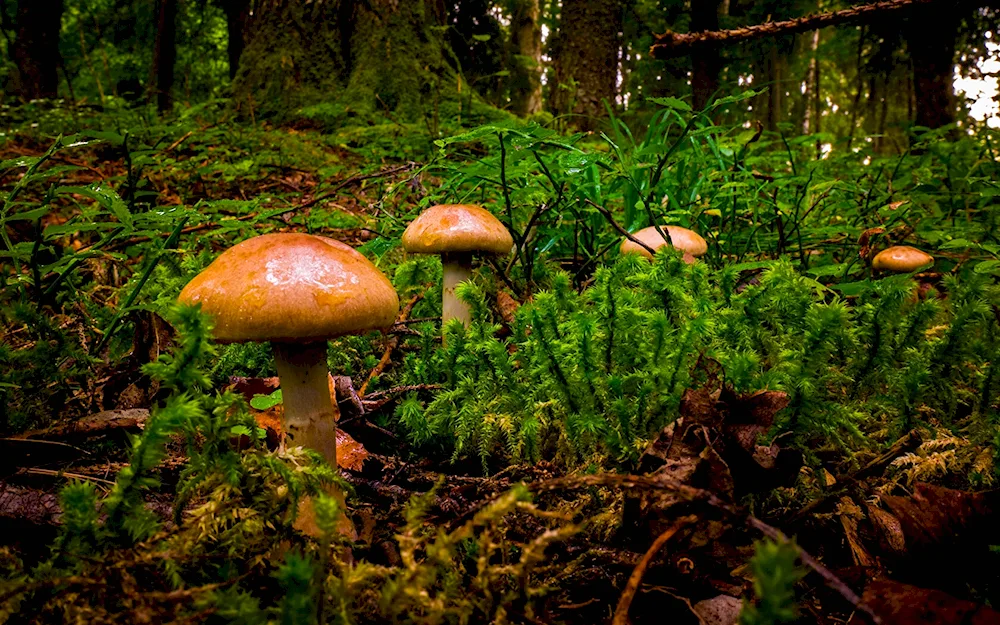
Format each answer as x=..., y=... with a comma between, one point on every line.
x=356, y=57
x=237, y=13
x=586, y=59
x=165, y=53
x=36, y=48
x=930, y=35
x=705, y=63
x=526, y=66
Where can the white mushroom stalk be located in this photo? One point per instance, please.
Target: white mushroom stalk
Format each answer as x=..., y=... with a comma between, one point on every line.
x=456, y=232
x=457, y=268
x=310, y=414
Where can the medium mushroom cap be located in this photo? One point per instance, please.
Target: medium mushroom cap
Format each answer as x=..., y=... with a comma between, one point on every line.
x=687, y=241
x=901, y=259
x=449, y=228
x=292, y=288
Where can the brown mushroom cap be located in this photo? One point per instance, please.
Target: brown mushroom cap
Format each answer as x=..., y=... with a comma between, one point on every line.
x=687, y=241
x=901, y=259
x=456, y=228
x=293, y=288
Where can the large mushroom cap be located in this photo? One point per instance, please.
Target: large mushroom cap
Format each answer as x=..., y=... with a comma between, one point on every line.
x=688, y=241
x=293, y=288
x=456, y=228
x=901, y=259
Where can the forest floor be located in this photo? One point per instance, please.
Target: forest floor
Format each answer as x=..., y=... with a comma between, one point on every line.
x=893, y=530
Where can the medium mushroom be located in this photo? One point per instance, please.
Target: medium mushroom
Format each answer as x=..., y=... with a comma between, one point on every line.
x=687, y=241
x=456, y=232
x=901, y=259
x=296, y=291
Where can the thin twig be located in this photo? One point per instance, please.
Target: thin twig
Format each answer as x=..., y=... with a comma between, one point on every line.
x=390, y=344
x=353, y=180
x=611, y=220
x=625, y=601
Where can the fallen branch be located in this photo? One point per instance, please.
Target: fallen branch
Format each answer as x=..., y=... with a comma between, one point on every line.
x=671, y=44
x=355, y=179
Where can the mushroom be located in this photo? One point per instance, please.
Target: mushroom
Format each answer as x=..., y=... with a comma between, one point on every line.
x=687, y=241
x=296, y=291
x=456, y=232
x=901, y=259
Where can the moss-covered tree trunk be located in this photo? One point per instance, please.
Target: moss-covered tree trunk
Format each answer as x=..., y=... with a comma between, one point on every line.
x=586, y=59
x=358, y=56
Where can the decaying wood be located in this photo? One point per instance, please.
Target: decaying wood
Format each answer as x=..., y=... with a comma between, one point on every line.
x=100, y=423
x=671, y=44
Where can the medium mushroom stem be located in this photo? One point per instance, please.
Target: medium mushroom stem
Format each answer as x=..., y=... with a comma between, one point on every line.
x=310, y=414
x=457, y=268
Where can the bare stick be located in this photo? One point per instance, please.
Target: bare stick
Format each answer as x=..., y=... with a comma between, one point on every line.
x=621, y=612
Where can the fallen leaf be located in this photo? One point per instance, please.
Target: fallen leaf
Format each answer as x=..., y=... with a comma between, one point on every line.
x=902, y=604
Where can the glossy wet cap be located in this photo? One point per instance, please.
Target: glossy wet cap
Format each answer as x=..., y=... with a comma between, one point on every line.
x=456, y=228
x=292, y=287
x=688, y=241
x=901, y=259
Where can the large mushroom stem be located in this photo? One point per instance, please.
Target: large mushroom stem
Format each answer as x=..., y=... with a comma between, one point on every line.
x=310, y=414
x=457, y=268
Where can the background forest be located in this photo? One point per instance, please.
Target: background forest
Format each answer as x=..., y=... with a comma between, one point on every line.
x=785, y=430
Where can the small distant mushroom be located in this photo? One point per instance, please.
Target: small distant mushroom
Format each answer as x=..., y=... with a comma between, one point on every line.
x=296, y=291
x=687, y=241
x=456, y=232
x=901, y=259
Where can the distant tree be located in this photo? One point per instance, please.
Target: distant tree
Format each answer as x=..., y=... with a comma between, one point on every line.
x=237, y=15
x=586, y=56
x=526, y=57
x=36, y=48
x=165, y=53
x=706, y=64
x=931, y=34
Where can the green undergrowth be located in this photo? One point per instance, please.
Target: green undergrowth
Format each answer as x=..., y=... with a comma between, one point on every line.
x=597, y=373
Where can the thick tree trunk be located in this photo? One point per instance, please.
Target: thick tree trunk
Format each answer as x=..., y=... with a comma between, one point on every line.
x=358, y=57
x=237, y=13
x=36, y=48
x=526, y=67
x=705, y=63
x=930, y=35
x=586, y=59
x=165, y=53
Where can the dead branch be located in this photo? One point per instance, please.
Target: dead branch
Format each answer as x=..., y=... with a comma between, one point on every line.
x=671, y=44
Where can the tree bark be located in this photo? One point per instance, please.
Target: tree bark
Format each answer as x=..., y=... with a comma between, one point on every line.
x=706, y=63
x=526, y=65
x=586, y=59
x=165, y=53
x=930, y=37
x=237, y=13
x=357, y=57
x=36, y=48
